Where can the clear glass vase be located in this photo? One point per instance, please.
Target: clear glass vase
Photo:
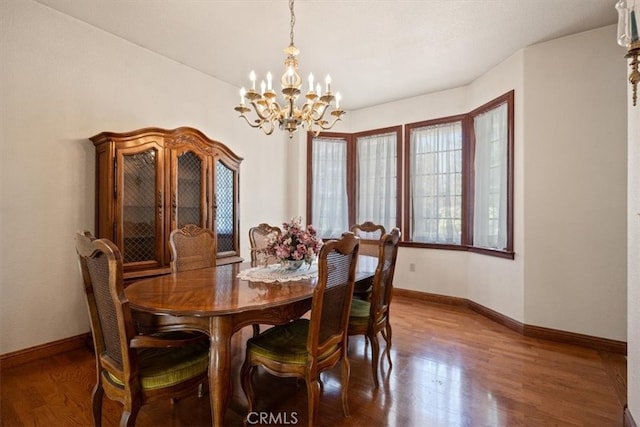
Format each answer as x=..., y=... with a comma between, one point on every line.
x=291, y=265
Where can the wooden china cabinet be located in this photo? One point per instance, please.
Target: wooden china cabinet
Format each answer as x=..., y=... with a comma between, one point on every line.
x=151, y=181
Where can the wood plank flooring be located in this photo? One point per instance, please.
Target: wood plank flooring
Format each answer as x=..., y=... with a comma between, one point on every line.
x=451, y=367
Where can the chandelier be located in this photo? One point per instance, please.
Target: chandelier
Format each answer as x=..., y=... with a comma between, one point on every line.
x=628, y=23
x=289, y=116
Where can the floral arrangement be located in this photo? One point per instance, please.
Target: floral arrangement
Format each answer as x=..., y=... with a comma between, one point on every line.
x=296, y=243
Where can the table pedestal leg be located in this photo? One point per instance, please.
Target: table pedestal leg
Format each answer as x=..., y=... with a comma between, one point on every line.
x=219, y=366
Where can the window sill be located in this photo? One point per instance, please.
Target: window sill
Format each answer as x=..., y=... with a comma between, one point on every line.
x=492, y=252
x=449, y=247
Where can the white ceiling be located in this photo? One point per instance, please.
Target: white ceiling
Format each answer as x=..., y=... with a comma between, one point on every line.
x=376, y=51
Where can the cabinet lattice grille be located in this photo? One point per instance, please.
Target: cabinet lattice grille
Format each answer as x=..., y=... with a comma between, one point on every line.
x=224, y=211
x=189, y=190
x=139, y=205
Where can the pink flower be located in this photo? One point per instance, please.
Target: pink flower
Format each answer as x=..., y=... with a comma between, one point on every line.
x=295, y=243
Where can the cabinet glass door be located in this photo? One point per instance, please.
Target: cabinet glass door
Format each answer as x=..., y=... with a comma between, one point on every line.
x=225, y=205
x=189, y=189
x=140, y=208
x=189, y=198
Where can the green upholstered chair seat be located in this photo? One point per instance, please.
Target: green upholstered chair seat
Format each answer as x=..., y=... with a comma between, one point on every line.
x=162, y=367
x=285, y=343
x=359, y=314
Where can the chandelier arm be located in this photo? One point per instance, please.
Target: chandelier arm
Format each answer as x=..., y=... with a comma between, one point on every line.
x=324, y=107
x=258, y=123
x=337, y=119
x=274, y=117
x=265, y=119
x=270, y=128
x=257, y=111
x=275, y=109
x=306, y=112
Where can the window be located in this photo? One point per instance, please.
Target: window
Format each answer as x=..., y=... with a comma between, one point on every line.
x=491, y=169
x=460, y=181
x=454, y=192
x=435, y=193
x=353, y=178
x=329, y=186
x=377, y=179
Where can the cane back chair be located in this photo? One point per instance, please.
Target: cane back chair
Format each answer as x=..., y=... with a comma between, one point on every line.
x=132, y=369
x=305, y=347
x=371, y=317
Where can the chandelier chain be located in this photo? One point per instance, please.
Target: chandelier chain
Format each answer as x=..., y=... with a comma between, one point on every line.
x=293, y=21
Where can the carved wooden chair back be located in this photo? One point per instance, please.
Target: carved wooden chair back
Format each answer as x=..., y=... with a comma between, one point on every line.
x=192, y=247
x=369, y=234
x=258, y=240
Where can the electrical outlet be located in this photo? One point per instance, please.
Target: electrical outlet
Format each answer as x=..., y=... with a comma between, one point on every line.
x=412, y=267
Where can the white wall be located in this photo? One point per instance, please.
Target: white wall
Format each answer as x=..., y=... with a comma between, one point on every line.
x=633, y=233
x=575, y=185
x=62, y=82
x=569, y=272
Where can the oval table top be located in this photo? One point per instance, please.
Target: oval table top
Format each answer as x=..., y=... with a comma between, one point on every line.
x=212, y=291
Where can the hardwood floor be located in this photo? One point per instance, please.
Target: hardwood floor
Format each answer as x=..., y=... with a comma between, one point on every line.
x=451, y=367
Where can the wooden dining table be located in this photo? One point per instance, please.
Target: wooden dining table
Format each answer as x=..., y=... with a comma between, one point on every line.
x=215, y=301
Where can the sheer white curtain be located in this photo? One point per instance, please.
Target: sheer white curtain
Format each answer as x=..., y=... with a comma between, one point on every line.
x=436, y=183
x=330, y=211
x=377, y=179
x=490, y=195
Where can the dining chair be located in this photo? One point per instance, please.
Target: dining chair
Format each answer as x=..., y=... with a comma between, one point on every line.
x=258, y=241
x=192, y=247
x=305, y=347
x=369, y=234
x=132, y=369
x=371, y=317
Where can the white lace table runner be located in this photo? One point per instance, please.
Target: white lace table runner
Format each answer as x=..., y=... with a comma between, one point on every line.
x=277, y=273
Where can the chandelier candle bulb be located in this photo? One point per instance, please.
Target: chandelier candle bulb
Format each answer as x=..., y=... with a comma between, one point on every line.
x=290, y=76
x=269, y=81
x=327, y=80
x=310, y=82
x=252, y=77
x=623, y=23
x=338, y=100
x=242, y=93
